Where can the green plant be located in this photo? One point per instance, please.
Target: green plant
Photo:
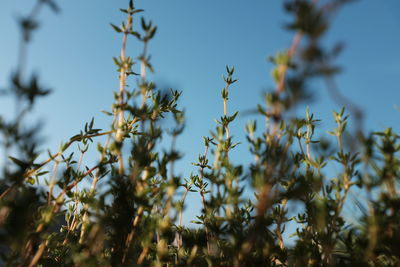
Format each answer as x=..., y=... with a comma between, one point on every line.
x=136, y=219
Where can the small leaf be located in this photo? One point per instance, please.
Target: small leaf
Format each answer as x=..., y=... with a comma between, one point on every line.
x=117, y=29
x=20, y=163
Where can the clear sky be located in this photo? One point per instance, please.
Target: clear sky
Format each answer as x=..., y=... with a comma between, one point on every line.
x=73, y=50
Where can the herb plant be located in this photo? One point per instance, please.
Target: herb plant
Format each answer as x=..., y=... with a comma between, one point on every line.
x=135, y=218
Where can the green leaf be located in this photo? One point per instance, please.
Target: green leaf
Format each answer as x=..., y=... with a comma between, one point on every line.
x=20, y=163
x=117, y=29
x=136, y=34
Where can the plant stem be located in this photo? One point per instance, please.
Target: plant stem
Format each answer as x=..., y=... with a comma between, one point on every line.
x=203, y=201
x=122, y=83
x=181, y=215
x=131, y=235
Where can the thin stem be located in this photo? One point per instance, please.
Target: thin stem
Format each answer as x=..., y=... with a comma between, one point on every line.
x=173, y=145
x=181, y=215
x=131, y=235
x=38, y=254
x=283, y=68
x=225, y=114
x=92, y=188
x=203, y=201
x=22, y=51
x=278, y=227
x=225, y=105
x=143, y=62
x=277, y=109
x=53, y=181
x=122, y=84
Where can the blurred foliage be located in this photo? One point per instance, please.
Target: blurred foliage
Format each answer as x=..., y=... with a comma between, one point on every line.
x=135, y=219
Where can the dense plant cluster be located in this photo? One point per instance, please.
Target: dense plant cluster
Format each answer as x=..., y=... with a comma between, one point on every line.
x=131, y=214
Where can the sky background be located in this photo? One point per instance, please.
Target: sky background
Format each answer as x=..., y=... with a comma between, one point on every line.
x=72, y=52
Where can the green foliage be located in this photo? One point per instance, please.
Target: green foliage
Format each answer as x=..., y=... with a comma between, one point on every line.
x=135, y=218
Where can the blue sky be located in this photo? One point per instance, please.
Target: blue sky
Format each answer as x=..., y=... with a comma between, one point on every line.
x=73, y=51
